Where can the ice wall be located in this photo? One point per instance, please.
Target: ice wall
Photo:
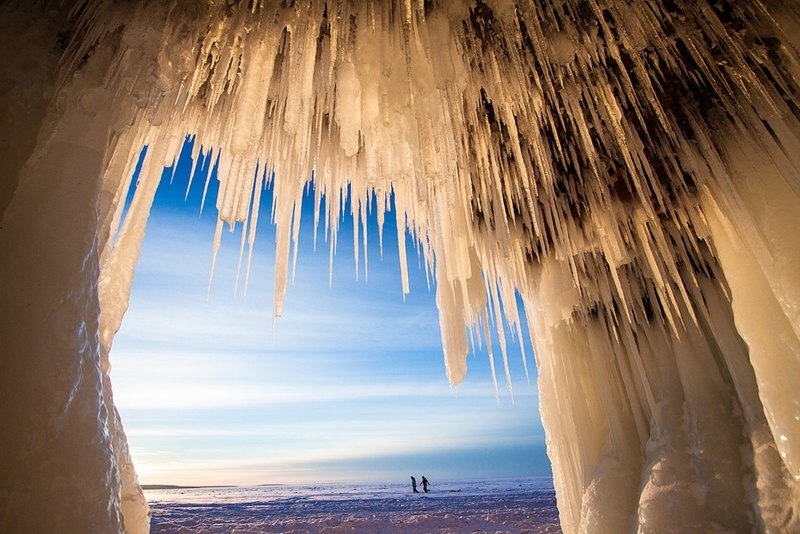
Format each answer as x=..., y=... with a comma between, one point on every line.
x=630, y=171
x=57, y=467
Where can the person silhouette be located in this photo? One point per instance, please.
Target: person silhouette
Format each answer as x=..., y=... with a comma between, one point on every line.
x=414, y=484
x=425, y=484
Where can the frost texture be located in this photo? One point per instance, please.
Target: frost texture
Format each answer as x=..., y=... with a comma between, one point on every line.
x=630, y=171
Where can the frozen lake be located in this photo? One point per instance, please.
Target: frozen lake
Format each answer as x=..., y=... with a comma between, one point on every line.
x=494, y=506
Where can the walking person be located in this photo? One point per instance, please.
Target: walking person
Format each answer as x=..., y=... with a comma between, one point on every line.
x=414, y=484
x=425, y=484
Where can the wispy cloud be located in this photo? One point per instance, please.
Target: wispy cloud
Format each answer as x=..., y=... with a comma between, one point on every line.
x=188, y=394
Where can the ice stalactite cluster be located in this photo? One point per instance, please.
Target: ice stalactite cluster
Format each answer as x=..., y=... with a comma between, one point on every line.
x=629, y=171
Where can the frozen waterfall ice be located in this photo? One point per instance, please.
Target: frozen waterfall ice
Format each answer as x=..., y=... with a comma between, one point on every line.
x=629, y=171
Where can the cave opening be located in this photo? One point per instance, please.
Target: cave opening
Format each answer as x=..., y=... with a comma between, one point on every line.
x=212, y=389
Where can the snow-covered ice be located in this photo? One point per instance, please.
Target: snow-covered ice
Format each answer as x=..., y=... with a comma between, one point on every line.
x=510, y=506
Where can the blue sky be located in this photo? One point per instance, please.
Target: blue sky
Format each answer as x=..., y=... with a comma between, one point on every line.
x=349, y=385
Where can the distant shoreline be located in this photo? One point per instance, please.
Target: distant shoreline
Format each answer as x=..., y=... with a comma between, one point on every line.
x=175, y=486
x=172, y=486
x=152, y=487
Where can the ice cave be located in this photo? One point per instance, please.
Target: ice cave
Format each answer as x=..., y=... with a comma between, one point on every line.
x=629, y=171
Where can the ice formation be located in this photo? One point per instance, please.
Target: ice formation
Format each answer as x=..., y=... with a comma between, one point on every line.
x=629, y=171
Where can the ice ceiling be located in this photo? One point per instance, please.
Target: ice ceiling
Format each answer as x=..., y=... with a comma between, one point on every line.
x=629, y=170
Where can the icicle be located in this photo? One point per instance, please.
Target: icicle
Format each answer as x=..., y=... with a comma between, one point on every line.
x=254, y=212
x=401, y=254
x=487, y=334
x=214, y=253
